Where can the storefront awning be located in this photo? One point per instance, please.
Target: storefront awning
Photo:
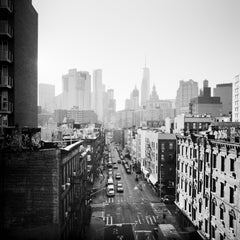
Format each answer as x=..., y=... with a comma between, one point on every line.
x=152, y=179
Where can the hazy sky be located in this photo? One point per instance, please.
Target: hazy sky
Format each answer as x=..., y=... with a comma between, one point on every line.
x=182, y=39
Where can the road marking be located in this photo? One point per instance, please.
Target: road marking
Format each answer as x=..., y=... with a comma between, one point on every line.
x=151, y=220
x=154, y=219
x=139, y=219
x=144, y=231
x=147, y=219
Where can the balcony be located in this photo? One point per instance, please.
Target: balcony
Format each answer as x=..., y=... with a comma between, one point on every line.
x=6, y=29
x=7, y=4
x=6, y=81
x=6, y=107
x=6, y=55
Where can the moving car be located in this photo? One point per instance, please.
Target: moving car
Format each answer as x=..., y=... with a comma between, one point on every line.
x=168, y=199
x=118, y=176
x=110, y=181
x=120, y=187
x=110, y=190
x=119, y=161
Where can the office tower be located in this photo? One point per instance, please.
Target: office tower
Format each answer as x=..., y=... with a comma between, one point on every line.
x=76, y=90
x=98, y=93
x=224, y=91
x=236, y=99
x=134, y=98
x=145, y=87
x=18, y=63
x=46, y=94
x=186, y=91
x=205, y=104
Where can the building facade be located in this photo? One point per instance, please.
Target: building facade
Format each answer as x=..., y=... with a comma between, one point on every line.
x=18, y=64
x=186, y=91
x=205, y=104
x=236, y=99
x=97, y=95
x=208, y=183
x=46, y=94
x=224, y=91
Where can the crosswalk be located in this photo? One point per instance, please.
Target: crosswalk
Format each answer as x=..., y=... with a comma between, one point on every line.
x=115, y=200
x=140, y=219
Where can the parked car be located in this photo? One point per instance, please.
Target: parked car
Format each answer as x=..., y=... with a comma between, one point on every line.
x=128, y=170
x=118, y=176
x=115, y=167
x=123, y=162
x=119, y=161
x=120, y=187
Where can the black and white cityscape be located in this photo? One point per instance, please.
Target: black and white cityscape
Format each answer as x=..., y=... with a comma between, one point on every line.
x=120, y=120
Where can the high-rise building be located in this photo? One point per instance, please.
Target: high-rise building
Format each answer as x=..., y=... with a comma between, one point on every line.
x=224, y=91
x=236, y=99
x=186, y=91
x=46, y=94
x=97, y=104
x=134, y=98
x=145, y=87
x=76, y=91
x=18, y=63
x=205, y=104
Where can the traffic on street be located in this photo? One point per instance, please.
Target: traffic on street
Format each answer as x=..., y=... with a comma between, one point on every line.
x=126, y=200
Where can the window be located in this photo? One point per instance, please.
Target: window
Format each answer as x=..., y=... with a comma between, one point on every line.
x=200, y=206
x=214, y=207
x=232, y=165
x=214, y=185
x=206, y=202
x=189, y=207
x=214, y=160
x=231, y=221
x=181, y=183
x=221, y=237
x=186, y=168
x=222, y=163
x=213, y=231
x=170, y=146
x=200, y=165
x=190, y=189
x=222, y=211
x=200, y=186
x=231, y=197
x=185, y=186
x=162, y=157
x=206, y=156
x=190, y=171
x=222, y=189
x=206, y=225
x=162, y=147
x=185, y=204
x=206, y=181
x=182, y=166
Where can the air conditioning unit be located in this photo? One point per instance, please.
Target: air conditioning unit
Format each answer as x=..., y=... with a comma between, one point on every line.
x=68, y=184
x=63, y=187
x=68, y=180
x=66, y=214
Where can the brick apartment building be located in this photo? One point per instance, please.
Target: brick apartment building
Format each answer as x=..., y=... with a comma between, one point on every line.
x=208, y=173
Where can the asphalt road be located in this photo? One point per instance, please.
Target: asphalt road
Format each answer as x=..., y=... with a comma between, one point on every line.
x=137, y=208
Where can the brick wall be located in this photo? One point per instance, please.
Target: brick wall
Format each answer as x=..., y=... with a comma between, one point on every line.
x=30, y=193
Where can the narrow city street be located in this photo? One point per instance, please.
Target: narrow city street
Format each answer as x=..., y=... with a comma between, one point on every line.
x=138, y=205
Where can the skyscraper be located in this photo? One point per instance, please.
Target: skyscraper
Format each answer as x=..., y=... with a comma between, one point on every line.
x=46, y=94
x=18, y=63
x=98, y=93
x=76, y=91
x=145, y=87
x=134, y=98
x=186, y=91
x=236, y=99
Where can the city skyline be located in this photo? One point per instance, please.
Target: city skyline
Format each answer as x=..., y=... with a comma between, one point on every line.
x=181, y=41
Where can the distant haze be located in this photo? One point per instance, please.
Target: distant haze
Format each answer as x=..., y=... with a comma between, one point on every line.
x=181, y=40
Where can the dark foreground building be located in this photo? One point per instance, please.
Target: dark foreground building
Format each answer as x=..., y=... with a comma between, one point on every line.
x=18, y=64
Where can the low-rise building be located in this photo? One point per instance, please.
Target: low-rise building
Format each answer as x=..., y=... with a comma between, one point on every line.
x=208, y=173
